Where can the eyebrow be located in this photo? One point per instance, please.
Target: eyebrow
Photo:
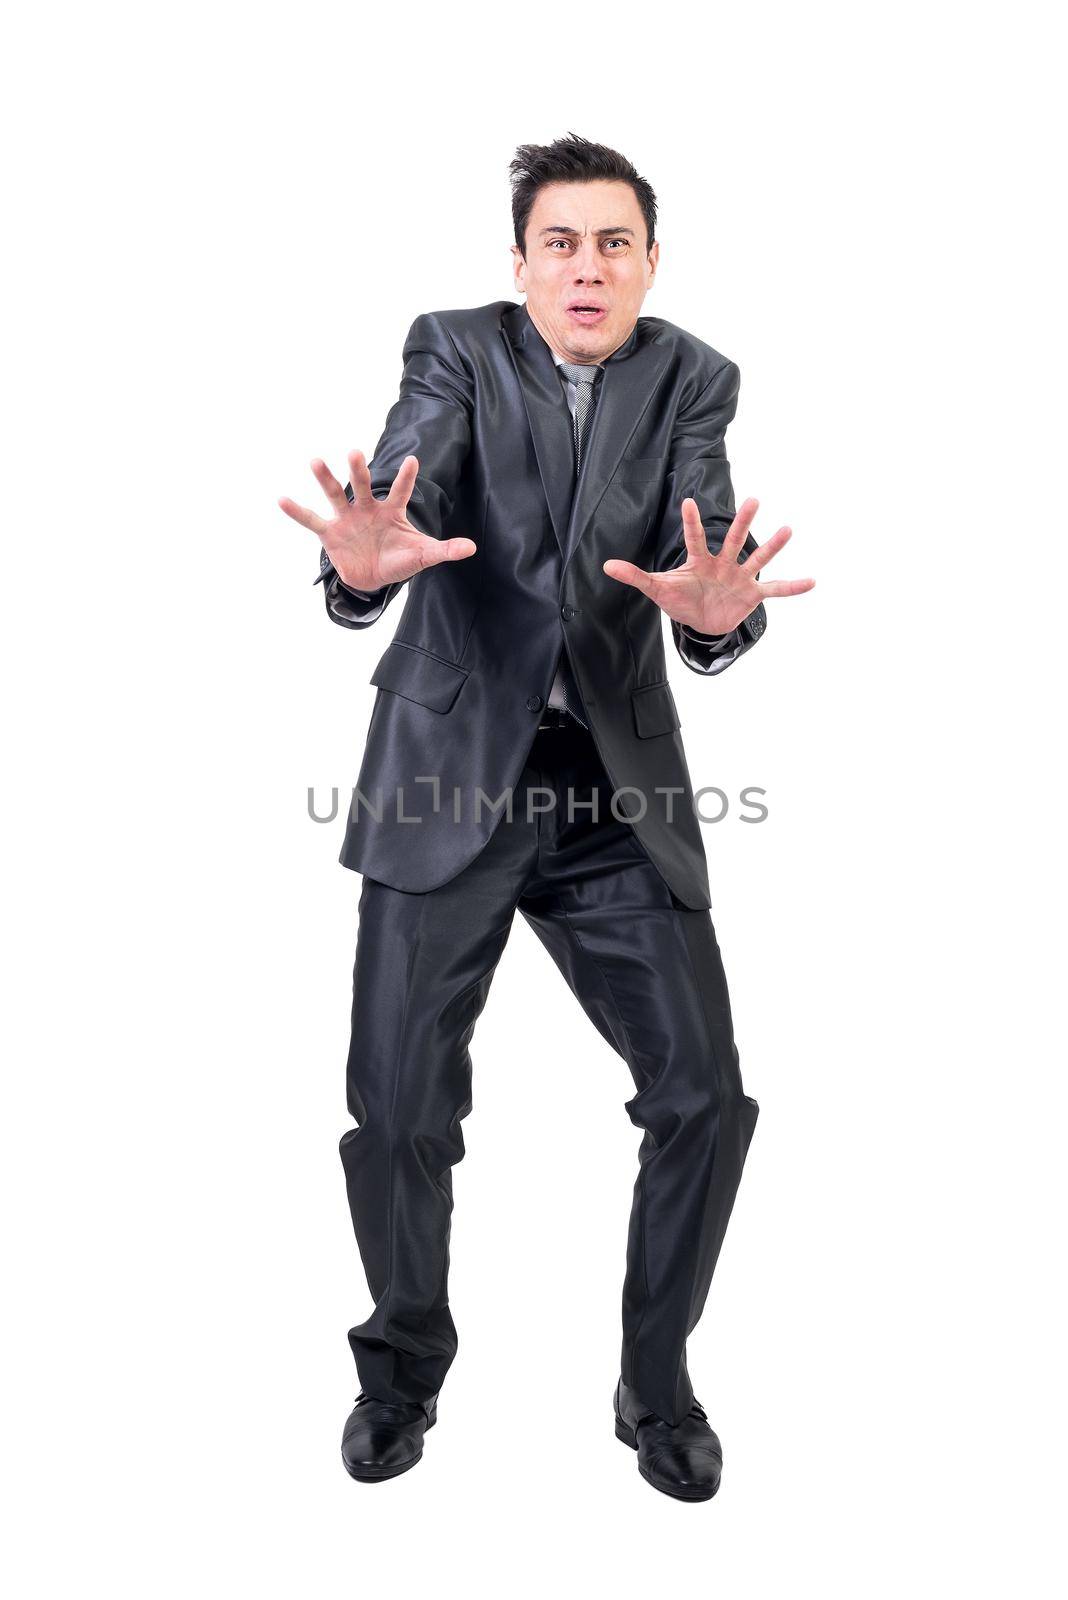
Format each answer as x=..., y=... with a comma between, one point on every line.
x=598, y=231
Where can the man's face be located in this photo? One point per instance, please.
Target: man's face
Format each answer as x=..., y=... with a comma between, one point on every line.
x=585, y=270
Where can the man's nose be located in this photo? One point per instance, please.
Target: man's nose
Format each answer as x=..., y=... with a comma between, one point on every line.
x=587, y=264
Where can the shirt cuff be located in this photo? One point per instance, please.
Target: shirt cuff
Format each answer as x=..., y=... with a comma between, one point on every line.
x=355, y=608
x=711, y=641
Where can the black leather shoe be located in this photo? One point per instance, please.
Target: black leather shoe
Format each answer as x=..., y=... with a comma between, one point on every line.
x=684, y=1460
x=383, y=1438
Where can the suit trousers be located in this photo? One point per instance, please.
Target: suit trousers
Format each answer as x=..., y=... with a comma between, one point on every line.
x=647, y=971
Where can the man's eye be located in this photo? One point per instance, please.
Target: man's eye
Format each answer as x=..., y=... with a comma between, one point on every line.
x=564, y=242
x=615, y=241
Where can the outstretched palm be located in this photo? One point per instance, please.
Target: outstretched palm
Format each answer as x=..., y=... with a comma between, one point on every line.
x=370, y=542
x=713, y=593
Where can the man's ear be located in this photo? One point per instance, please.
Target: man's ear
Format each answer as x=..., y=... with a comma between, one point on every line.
x=519, y=267
x=654, y=259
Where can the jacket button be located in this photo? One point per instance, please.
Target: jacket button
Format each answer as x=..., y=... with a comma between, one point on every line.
x=534, y=702
x=568, y=611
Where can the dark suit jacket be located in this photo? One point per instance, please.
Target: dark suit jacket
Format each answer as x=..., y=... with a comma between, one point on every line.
x=463, y=682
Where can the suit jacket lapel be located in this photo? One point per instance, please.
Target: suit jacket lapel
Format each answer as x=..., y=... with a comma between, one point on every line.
x=547, y=413
x=630, y=379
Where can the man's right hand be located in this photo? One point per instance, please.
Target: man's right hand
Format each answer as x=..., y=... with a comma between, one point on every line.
x=370, y=542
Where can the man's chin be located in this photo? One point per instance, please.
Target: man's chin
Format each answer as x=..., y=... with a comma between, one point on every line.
x=589, y=344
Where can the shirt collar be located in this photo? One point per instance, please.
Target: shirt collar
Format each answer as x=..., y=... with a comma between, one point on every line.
x=597, y=365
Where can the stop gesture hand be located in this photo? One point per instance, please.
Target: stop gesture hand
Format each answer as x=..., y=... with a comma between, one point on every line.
x=713, y=593
x=370, y=542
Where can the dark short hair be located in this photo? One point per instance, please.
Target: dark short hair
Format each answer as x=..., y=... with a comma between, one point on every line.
x=572, y=160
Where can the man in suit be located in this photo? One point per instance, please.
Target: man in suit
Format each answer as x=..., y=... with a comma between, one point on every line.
x=551, y=480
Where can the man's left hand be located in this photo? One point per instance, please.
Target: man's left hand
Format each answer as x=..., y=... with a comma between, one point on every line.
x=713, y=593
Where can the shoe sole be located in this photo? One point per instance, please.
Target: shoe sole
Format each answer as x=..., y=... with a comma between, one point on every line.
x=380, y=1475
x=627, y=1436
x=371, y=1475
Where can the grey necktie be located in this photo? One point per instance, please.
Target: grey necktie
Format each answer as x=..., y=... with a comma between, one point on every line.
x=584, y=379
x=564, y=692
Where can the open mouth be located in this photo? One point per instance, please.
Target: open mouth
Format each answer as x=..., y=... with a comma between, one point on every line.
x=586, y=313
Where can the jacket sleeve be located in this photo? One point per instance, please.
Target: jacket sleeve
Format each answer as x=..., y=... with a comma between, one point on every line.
x=431, y=419
x=699, y=468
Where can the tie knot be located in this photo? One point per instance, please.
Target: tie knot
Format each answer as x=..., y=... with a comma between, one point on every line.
x=577, y=374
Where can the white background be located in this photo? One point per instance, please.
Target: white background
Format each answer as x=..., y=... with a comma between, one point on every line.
x=223, y=219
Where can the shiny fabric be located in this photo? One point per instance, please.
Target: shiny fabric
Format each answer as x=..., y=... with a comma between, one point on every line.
x=564, y=692
x=647, y=971
x=579, y=385
x=476, y=648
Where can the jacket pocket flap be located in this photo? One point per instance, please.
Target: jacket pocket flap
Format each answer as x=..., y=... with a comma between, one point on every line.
x=654, y=710
x=417, y=675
